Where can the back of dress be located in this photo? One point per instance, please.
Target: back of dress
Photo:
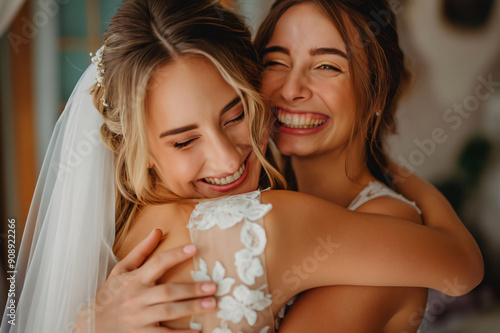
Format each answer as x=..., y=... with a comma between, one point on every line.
x=231, y=241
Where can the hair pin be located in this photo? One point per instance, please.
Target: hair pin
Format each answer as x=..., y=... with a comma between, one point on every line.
x=97, y=60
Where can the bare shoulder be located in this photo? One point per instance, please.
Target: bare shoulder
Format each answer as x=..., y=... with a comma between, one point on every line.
x=145, y=220
x=281, y=196
x=131, y=239
x=291, y=202
x=291, y=209
x=392, y=207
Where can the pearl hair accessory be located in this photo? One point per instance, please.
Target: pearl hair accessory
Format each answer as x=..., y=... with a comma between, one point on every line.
x=97, y=60
x=377, y=113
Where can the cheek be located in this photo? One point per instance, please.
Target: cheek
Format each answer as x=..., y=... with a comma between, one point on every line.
x=340, y=98
x=271, y=81
x=240, y=134
x=179, y=170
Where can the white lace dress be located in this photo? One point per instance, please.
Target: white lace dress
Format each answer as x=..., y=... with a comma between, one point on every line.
x=231, y=241
x=375, y=189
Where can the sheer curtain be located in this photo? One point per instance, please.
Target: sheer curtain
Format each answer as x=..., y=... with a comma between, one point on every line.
x=8, y=10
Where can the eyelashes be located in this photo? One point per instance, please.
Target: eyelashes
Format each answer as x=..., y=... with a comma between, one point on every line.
x=324, y=67
x=180, y=145
x=328, y=68
x=237, y=119
x=273, y=63
x=186, y=144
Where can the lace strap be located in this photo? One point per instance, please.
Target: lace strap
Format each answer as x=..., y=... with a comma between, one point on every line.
x=376, y=190
x=231, y=241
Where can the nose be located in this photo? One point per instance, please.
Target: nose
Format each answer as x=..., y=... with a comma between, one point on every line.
x=295, y=88
x=225, y=155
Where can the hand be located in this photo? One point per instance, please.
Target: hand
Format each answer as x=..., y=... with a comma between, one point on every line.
x=132, y=301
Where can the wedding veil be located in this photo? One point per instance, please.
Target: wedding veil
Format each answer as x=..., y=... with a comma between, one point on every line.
x=66, y=250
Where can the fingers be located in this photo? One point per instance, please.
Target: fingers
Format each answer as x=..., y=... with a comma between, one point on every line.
x=166, y=329
x=177, y=292
x=137, y=256
x=159, y=264
x=172, y=311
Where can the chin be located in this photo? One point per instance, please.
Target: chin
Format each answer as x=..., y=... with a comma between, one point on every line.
x=250, y=184
x=293, y=149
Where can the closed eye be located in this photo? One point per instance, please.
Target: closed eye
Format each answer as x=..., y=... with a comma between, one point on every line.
x=185, y=144
x=237, y=119
x=273, y=64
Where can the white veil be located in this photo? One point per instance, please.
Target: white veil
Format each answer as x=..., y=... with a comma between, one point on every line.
x=66, y=250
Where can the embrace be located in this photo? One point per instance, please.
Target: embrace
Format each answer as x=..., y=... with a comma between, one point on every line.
x=176, y=215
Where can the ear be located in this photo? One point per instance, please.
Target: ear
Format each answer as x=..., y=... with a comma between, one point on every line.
x=150, y=164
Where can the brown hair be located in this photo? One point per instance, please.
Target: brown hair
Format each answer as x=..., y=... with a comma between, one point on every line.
x=144, y=35
x=368, y=29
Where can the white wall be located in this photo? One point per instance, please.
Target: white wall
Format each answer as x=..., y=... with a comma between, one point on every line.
x=448, y=65
x=254, y=11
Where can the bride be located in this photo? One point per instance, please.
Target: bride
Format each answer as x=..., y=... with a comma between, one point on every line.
x=176, y=92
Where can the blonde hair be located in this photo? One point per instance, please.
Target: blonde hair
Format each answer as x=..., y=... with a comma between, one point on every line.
x=144, y=35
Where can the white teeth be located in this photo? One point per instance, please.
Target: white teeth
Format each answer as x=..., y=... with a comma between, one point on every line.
x=298, y=121
x=228, y=180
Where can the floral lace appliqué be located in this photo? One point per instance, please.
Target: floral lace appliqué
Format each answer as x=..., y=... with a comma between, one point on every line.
x=248, y=265
x=223, y=284
x=253, y=236
x=244, y=303
x=225, y=329
x=226, y=212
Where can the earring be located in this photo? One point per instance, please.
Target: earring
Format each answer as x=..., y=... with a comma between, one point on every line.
x=377, y=113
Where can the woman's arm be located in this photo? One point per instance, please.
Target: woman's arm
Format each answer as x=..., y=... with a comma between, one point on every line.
x=360, y=308
x=132, y=301
x=356, y=309
x=341, y=247
x=431, y=202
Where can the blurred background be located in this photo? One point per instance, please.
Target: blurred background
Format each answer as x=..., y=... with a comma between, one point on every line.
x=449, y=121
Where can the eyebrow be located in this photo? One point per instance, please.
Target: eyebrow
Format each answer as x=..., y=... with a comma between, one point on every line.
x=230, y=105
x=278, y=49
x=327, y=50
x=225, y=109
x=312, y=52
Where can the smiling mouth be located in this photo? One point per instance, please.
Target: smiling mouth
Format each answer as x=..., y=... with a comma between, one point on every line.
x=299, y=120
x=229, y=179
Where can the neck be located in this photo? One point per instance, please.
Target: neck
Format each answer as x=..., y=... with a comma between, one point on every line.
x=325, y=176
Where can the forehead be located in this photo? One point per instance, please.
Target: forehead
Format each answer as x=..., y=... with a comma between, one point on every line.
x=188, y=85
x=303, y=26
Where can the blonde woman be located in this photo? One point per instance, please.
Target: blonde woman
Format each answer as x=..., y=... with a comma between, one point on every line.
x=177, y=91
